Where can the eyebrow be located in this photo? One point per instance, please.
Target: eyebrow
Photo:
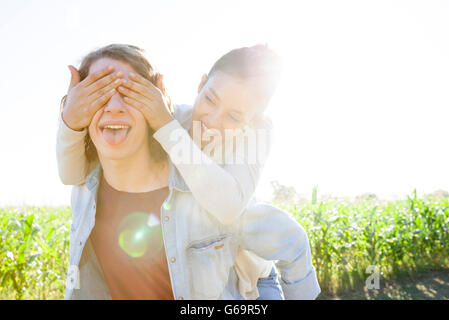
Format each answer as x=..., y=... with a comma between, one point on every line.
x=214, y=93
x=218, y=98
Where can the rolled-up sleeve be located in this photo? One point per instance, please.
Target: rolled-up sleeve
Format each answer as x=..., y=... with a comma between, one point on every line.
x=274, y=234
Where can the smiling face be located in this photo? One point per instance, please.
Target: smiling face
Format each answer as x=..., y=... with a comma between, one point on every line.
x=117, y=130
x=224, y=102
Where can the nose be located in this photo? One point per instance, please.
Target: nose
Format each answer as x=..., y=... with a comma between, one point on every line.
x=115, y=105
x=212, y=120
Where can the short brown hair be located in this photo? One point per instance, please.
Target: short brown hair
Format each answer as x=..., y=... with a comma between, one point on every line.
x=245, y=63
x=135, y=57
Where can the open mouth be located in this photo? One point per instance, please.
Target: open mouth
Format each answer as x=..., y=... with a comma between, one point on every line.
x=115, y=134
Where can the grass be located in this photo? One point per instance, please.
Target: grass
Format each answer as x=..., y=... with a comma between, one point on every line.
x=402, y=238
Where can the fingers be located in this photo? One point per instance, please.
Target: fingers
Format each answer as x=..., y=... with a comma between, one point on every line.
x=134, y=95
x=160, y=83
x=75, y=76
x=97, y=94
x=145, y=82
x=99, y=102
x=139, y=88
x=103, y=82
x=136, y=104
x=95, y=76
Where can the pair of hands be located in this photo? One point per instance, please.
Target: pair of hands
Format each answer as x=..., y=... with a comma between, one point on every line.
x=85, y=98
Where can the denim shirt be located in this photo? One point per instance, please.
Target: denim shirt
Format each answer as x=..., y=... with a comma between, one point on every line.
x=200, y=250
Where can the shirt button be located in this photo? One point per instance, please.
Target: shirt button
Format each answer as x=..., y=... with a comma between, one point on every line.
x=173, y=260
x=180, y=298
x=166, y=218
x=71, y=279
x=81, y=243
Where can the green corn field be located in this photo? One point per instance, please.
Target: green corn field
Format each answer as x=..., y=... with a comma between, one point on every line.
x=399, y=237
x=34, y=252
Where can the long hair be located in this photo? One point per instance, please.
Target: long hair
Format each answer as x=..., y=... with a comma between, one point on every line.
x=135, y=57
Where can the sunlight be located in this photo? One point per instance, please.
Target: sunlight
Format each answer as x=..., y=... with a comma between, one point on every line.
x=360, y=107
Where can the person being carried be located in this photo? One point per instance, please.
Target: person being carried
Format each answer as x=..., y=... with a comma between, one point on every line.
x=232, y=95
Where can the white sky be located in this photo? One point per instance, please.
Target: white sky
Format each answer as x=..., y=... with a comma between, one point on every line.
x=362, y=106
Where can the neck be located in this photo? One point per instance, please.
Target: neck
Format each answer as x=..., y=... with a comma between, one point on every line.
x=137, y=173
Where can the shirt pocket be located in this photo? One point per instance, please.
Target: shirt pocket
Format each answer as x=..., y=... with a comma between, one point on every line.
x=209, y=263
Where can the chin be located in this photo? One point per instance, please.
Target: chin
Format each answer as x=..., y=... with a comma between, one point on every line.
x=113, y=154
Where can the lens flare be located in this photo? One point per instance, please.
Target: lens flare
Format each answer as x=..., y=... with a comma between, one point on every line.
x=140, y=234
x=166, y=205
x=153, y=221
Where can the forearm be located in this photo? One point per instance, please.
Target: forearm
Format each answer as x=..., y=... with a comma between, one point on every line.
x=71, y=155
x=223, y=193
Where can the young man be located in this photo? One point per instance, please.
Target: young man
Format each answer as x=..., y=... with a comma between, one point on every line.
x=117, y=133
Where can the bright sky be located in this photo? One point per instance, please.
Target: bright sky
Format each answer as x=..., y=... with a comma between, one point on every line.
x=362, y=106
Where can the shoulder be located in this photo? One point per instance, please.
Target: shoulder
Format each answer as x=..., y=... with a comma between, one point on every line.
x=88, y=187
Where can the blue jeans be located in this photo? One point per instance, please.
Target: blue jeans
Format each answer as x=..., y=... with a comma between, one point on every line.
x=269, y=287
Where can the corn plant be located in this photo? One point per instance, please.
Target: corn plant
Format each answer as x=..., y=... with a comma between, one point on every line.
x=400, y=237
x=33, y=252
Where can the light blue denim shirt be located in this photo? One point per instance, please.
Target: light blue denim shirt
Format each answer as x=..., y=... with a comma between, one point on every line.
x=200, y=250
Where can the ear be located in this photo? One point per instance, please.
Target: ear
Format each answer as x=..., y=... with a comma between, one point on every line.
x=203, y=82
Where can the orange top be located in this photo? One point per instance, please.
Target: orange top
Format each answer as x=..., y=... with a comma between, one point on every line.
x=127, y=239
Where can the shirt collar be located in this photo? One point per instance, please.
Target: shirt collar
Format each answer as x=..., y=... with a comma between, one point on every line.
x=175, y=180
x=93, y=178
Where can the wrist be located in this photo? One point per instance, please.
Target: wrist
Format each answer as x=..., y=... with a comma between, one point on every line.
x=163, y=122
x=68, y=125
x=167, y=136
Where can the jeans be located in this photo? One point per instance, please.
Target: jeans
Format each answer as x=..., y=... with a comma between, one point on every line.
x=269, y=287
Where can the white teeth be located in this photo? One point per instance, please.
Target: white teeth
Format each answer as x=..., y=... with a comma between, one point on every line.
x=116, y=127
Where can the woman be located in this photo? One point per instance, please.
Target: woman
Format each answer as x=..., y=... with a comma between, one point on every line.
x=126, y=55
